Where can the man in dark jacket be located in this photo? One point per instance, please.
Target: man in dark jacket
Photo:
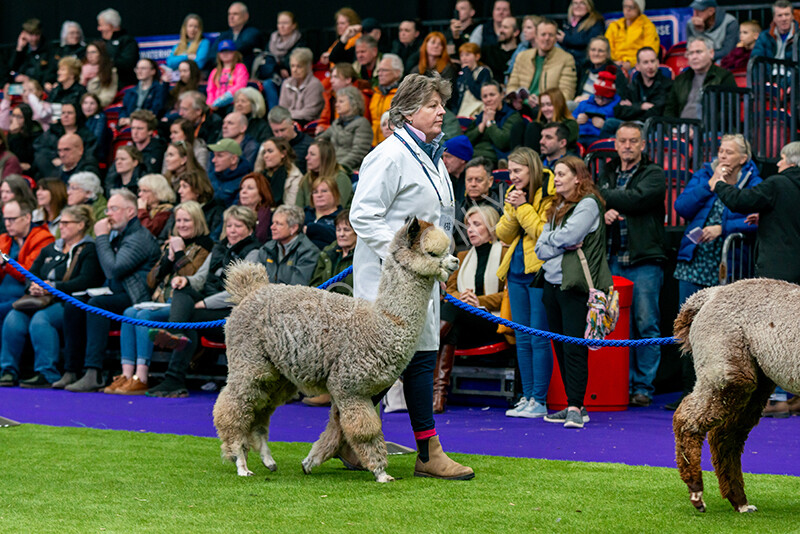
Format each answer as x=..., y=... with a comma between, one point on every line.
x=227, y=170
x=290, y=257
x=245, y=37
x=152, y=147
x=711, y=21
x=74, y=158
x=634, y=190
x=33, y=58
x=775, y=200
x=407, y=44
x=192, y=107
x=685, y=97
x=280, y=121
x=646, y=94
x=777, y=41
x=127, y=251
x=123, y=48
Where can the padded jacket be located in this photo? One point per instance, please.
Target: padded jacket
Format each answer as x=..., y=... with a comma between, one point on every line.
x=558, y=71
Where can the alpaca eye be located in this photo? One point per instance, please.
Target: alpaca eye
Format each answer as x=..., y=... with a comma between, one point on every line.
x=432, y=254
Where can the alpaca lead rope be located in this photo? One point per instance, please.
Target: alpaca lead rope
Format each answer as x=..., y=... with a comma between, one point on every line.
x=449, y=298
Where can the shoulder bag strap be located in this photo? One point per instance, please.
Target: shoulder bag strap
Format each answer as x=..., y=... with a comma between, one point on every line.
x=585, y=266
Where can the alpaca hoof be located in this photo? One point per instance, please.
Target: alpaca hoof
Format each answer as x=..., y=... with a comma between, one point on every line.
x=747, y=508
x=244, y=472
x=272, y=466
x=696, y=499
x=383, y=477
x=307, y=464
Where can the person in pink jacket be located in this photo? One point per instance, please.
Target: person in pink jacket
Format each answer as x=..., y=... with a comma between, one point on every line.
x=229, y=76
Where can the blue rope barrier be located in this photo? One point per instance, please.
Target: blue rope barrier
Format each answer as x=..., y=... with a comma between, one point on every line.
x=339, y=277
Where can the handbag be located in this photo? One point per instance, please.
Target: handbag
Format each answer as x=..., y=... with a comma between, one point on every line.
x=34, y=303
x=505, y=313
x=395, y=400
x=601, y=319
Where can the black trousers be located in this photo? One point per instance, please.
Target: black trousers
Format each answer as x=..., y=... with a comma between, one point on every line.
x=468, y=330
x=566, y=314
x=86, y=333
x=418, y=390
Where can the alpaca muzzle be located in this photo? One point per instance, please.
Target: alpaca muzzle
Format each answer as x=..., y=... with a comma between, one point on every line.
x=447, y=267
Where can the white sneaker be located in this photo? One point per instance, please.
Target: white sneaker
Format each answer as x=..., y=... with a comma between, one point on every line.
x=533, y=410
x=515, y=411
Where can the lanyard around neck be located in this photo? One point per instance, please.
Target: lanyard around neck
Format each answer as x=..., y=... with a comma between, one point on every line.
x=425, y=170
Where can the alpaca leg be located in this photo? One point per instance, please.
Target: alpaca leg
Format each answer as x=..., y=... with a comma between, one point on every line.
x=690, y=423
x=281, y=392
x=727, y=444
x=328, y=443
x=362, y=430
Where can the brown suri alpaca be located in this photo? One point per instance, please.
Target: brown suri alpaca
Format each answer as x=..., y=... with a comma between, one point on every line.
x=745, y=339
x=283, y=338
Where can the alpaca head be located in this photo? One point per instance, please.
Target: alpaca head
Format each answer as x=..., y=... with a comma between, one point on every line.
x=425, y=249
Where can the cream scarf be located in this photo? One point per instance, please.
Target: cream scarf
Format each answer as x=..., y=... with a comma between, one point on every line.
x=466, y=274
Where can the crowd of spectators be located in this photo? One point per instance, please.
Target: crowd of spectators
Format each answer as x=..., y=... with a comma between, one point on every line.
x=147, y=179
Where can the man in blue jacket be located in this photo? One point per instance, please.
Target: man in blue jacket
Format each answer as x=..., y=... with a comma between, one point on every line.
x=227, y=169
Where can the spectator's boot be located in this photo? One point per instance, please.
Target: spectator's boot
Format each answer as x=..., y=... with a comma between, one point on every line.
x=91, y=381
x=441, y=377
x=66, y=379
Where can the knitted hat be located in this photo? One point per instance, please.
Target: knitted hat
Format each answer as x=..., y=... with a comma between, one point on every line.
x=459, y=147
x=605, y=84
x=640, y=4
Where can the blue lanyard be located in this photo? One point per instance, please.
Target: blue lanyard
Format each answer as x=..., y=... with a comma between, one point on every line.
x=425, y=171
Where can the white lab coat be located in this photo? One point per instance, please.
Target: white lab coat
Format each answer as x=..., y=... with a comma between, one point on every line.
x=391, y=187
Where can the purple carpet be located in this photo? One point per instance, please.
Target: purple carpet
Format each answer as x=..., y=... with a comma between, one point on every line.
x=639, y=436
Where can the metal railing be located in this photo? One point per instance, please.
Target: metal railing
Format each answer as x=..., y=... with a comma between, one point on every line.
x=725, y=111
x=774, y=85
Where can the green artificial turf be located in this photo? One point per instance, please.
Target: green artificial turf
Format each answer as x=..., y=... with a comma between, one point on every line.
x=84, y=480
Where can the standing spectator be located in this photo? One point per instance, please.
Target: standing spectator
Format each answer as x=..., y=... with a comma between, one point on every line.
x=553, y=144
x=85, y=188
x=301, y=94
x=552, y=108
x=244, y=37
x=32, y=57
x=96, y=123
x=67, y=88
x=634, y=190
x=433, y=56
x=149, y=94
x=321, y=163
x=646, y=94
x=72, y=43
x=192, y=45
x=51, y=198
x=458, y=152
x=466, y=99
x=276, y=162
x=367, y=59
x=228, y=76
x=408, y=43
x=290, y=257
x=155, y=202
x=630, y=33
x=255, y=193
x=544, y=67
x=351, y=133
x=126, y=170
x=249, y=102
x=389, y=71
x=319, y=223
x=280, y=121
x=491, y=131
x=740, y=55
x=122, y=47
x=777, y=41
x=497, y=55
x=487, y=33
x=272, y=65
x=98, y=75
x=583, y=23
x=227, y=169
x=192, y=107
x=143, y=135
x=592, y=114
x=524, y=214
x=183, y=130
x=234, y=126
x=125, y=257
x=711, y=21
x=684, y=99
x=574, y=226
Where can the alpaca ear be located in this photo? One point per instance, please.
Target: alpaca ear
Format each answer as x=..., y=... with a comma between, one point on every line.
x=412, y=229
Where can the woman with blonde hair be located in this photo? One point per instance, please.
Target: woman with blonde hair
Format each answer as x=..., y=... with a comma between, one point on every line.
x=250, y=102
x=526, y=204
x=582, y=24
x=192, y=45
x=67, y=87
x=156, y=198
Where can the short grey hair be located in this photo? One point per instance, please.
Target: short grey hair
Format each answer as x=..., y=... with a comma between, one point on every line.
x=355, y=97
x=127, y=196
x=706, y=40
x=256, y=101
x=198, y=100
x=242, y=5
x=396, y=61
x=111, y=16
x=792, y=153
x=294, y=215
x=303, y=55
x=159, y=185
x=65, y=29
x=89, y=182
x=368, y=40
x=279, y=114
x=414, y=92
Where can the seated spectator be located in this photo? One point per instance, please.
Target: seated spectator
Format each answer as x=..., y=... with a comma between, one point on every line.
x=592, y=114
x=321, y=163
x=684, y=99
x=122, y=47
x=457, y=152
x=351, y=133
x=337, y=257
x=474, y=282
x=72, y=158
x=552, y=108
x=33, y=57
x=234, y=126
x=466, y=99
x=583, y=23
x=85, y=188
x=72, y=43
x=408, y=43
x=710, y=20
x=192, y=107
x=178, y=160
x=490, y=132
x=228, y=76
x=276, y=162
x=143, y=134
x=386, y=126
x=67, y=87
x=544, y=67
x=192, y=45
x=498, y=55
x=183, y=130
x=738, y=58
x=17, y=188
x=630, y=33
x=272, y=65
x=433, y=56
x=282, y=126
x=527, y=40
x=23, y=131
x=342, y=75
x=599, y=60
x=301, y=94
x=255, y=193
x=348, y=30
x=646, y=94
x=181, y=255
x=319, y=223
x=553, y=143
x=51, y=199
x=97, y=124
x=777, y=41
x=290, y=257
x=9, y=164
x=188, y=80
x=245, y=37
x=479, y=190
x=155, y=202
x=149, y=94
x=462, y=26
x=367, y=59
x=126, y=256
x=487, y=33
x=98, y=75
x=195, y=186
x=69, y=264
x=202, y=297
x=72, y=122
x=126, y=170
x=389, y=71
x=227, y=169
x=33, y=98
x=249, y=102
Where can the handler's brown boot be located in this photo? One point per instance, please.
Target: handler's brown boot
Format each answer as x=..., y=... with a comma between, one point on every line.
x=438, y=464
x=441, y=377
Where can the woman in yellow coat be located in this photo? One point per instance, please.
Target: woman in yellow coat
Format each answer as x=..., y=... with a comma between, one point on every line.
x=631, y=33
x=522, y=222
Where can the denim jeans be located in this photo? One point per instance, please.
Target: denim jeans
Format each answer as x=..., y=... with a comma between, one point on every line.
x=271, y=93
x=135, y=346
x=645, y=318
x=43, y=327
x=534, y=356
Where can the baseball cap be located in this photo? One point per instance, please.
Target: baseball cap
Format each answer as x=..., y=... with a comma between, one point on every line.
x=226, y=145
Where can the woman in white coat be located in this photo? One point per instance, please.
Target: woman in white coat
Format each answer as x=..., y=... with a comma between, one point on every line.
x=405, y=176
